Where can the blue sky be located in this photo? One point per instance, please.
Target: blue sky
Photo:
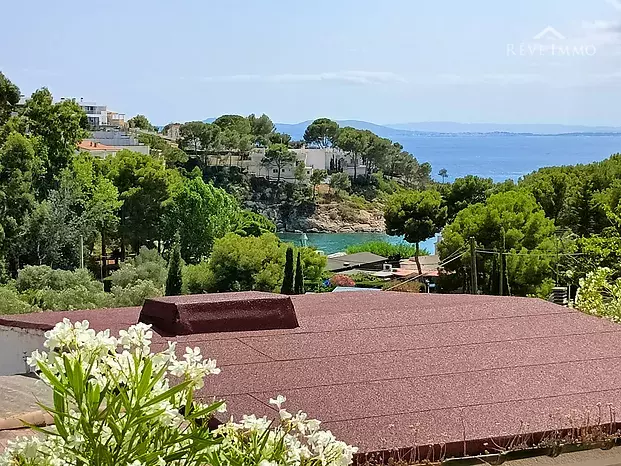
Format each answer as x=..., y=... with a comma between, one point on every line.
x=384, y=61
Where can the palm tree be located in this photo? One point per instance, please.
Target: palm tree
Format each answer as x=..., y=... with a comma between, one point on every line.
x=443, y=173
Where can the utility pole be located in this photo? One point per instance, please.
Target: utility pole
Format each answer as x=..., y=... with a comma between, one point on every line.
x=81, y=251
x=473, y=266
x=502, y=265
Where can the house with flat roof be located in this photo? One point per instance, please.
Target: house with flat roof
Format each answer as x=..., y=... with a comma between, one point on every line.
x=400, y=375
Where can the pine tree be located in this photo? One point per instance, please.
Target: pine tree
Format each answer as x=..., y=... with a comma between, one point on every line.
x=299, y=277
x=287, y=282
x=174, y=279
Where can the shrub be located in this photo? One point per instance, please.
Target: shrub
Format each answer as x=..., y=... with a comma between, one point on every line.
x=342, y=280
x=60, y=290
x=71, y=299
x=135, y=294
x=114, y=405
x=147, y=265
x=38, y=277
x=599, y=295
x=198, y=279
x=313, y=264
x=12, y=303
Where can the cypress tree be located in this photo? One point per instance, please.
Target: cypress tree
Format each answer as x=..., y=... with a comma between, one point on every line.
x=287, y=282
x=174, y=279
x=299, y=277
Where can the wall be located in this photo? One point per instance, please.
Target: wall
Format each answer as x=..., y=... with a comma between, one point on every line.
x=15, y=343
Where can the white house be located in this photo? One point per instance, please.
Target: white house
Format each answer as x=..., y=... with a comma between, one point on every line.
x=313, y=159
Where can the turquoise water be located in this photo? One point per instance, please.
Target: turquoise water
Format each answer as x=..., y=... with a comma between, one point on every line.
x=330, y=243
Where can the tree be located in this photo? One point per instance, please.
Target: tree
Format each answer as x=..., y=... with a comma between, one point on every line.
x=321, y=133
x=201, y=213
x=278, y=156
x=58, y=127
x=190, y=136
x=299, y=276
x=140, y=122
x=465, y=192
x=19, y=167
x=174, y=280
x=550, y=187
x=512, y=222
x=443, y=173
x=340, y=182
x=9, y=98
x=288, y=279
x=143, y=185
x=355, y=142
x=417, y=215
x=253, y=224
x=377, y=154
x=279, y=138
x=261, y=129
x=317, y=177
x=246, y=264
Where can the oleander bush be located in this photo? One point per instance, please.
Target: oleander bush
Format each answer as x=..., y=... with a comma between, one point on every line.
x=115, y=404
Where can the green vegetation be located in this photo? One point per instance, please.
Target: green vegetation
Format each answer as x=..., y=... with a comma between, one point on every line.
x=174, y=280
x=64, y=212
x=298, y=287
x=130, y=406
x=600, y=295
x=140, y=122
x=252, y=263
x=288, y=279
x=417, y=215
x=509, y=222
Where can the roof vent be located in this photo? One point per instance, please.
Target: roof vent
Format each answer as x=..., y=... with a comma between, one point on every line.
x=223, y=312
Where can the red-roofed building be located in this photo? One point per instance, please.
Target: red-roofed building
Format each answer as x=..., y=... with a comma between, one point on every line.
x=411, y=374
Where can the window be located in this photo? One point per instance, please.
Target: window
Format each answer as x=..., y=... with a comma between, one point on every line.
x=274, y=171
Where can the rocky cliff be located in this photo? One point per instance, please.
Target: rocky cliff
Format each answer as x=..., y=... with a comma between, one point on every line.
x=323, y=218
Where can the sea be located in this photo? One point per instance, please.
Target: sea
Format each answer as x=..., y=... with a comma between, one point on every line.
x=499, y=156
x=503, y=156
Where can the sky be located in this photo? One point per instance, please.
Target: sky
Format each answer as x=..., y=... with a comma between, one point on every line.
x=384, y=61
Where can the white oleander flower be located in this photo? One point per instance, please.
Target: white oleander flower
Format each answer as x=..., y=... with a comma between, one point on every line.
x=278, y=401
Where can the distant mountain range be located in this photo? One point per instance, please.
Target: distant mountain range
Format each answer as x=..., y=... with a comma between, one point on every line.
x=397, y=130
x=452, y=127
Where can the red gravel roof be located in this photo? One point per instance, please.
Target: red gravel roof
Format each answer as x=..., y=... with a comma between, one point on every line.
x=395, y=371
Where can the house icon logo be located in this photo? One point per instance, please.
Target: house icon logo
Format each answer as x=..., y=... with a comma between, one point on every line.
x=550, y=33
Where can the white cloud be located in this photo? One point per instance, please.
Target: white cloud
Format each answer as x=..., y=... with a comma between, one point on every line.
x=350, y=77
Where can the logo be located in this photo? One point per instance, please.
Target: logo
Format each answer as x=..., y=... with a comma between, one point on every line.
x=550, y=33
x=550, y=42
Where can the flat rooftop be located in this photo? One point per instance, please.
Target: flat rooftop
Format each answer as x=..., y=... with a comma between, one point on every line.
x=395, y=371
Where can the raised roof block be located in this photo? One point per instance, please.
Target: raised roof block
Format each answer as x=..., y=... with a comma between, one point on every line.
x=223, y=312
